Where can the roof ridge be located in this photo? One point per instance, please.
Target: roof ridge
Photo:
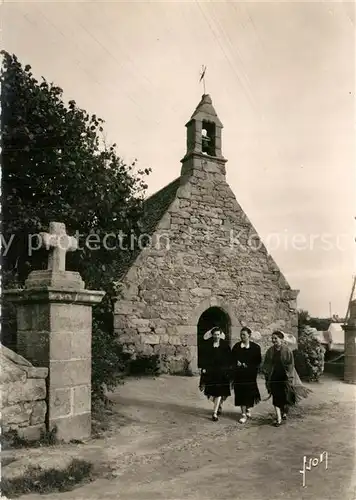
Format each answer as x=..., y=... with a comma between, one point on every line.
x=161, y=189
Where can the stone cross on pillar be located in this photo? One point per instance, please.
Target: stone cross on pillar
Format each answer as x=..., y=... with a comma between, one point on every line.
x=58, y=243
x=54, y=328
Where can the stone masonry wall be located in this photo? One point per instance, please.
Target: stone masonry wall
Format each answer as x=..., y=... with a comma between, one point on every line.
x=54, y=330
x=204, y=253
x=23, y=390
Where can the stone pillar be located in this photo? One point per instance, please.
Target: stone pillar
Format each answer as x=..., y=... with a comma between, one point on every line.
x=350, y=346
x=54, y=326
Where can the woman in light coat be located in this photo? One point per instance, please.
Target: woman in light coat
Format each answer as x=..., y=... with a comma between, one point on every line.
x=282, y=380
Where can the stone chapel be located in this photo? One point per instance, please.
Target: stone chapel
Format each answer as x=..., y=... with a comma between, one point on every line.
x=203, y=264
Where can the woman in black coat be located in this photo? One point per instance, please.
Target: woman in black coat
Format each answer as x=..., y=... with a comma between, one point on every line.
x=246, y=358
x=215, y=379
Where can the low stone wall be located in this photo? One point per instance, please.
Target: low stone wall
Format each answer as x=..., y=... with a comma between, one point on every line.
x=23, y=390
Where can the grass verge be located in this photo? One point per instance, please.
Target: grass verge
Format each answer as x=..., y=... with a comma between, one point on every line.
x=38, y=480
x=11, y=440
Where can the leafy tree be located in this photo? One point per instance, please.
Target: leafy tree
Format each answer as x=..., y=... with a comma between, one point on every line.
x=56, y=167
x=321, y=324
x=303, y=319
x=309, y=356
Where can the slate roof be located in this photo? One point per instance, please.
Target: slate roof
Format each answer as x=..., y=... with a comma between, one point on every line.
x=154, y=208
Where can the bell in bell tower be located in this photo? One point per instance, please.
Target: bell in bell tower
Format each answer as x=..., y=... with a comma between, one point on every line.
x=208, y=138
x=203, y=137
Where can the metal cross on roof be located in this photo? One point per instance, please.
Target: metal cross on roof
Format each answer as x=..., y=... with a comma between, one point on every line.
x=202, y=76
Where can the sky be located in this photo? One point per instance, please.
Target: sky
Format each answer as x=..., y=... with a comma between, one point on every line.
x=282, y=79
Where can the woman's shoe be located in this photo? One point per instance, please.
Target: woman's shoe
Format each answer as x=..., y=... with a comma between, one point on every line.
x=243, y=419
x=277, y=423
x=215, y=418
x=284, y=416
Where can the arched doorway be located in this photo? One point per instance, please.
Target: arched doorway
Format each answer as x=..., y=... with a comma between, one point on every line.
x=214, y=316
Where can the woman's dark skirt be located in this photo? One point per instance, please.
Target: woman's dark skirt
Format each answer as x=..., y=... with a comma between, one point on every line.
x=283, y=394
x=246, y=393
x=215, y=384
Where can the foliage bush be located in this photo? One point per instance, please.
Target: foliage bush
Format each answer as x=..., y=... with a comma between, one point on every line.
x=11, y=439
x=109, y=362
x=185, y=371
x=301, y=364
x=309, y=357
x=56, y=166
x=304, y=319
x=144, y=364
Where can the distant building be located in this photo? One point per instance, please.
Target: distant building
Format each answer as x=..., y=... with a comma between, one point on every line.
x=324, y=338
x=332, y=338
x=337, y=336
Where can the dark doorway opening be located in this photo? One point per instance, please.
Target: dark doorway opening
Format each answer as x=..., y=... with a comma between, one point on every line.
x=214, y=316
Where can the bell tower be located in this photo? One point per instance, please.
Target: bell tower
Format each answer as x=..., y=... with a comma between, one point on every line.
x=203, y=139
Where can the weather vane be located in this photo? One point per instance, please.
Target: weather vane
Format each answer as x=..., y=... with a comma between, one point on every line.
x=202, y=76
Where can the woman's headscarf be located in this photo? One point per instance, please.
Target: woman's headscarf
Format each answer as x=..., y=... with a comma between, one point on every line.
x=209, y=333
x=278, y=333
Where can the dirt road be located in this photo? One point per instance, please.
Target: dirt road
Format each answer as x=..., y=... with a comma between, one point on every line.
x=167, y=447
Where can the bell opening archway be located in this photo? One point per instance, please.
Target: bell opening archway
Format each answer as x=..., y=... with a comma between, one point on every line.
x=214, y=316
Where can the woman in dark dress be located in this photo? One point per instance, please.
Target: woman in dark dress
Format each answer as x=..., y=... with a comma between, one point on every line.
x=282, y=380
x=246, y=358
x=215, y=379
